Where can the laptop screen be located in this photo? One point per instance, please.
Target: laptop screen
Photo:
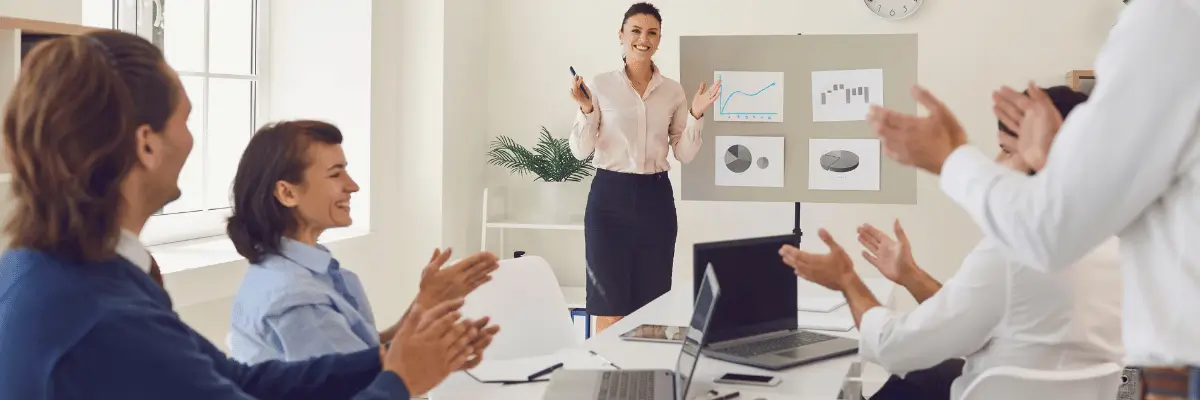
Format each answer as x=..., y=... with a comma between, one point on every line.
x=694, y=341
x=758, y=289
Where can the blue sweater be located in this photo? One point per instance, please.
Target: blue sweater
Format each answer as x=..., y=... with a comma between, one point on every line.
x=106, y=330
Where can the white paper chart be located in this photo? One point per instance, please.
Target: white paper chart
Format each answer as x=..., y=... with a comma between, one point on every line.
x=843, y=164
x=845, y=95
x=749, y=96
x=749, y=161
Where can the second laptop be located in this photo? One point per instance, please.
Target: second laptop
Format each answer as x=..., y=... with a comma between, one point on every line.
x=755, y=321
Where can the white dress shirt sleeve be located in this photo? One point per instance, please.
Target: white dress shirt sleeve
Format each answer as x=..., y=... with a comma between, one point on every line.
x=1114, y=156
x=586, y=128
x=684, y=133
x=955, y=322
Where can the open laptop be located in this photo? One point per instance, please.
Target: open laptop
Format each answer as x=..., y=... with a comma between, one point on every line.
x=755, y=323
x=645, y=384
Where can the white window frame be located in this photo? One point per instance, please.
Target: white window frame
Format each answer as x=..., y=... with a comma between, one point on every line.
x=138, y=17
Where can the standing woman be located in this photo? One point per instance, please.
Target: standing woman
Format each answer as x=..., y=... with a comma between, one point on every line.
x=629, y=121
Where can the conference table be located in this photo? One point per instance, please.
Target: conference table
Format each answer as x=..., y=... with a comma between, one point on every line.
x=821, y=380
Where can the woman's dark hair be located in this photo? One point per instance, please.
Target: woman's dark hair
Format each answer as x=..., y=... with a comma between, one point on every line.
x=277, y=152
x=1064, y=98
x=69, y=137
x=639, y=9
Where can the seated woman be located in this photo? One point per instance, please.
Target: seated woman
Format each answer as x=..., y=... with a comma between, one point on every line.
x=296, y=301
x=994, y=312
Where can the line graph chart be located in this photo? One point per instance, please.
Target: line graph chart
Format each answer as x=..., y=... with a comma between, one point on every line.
x=749, y=96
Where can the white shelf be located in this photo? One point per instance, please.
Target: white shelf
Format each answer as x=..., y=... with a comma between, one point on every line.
x=562, y=226
x=43, y=27
x=576, y=296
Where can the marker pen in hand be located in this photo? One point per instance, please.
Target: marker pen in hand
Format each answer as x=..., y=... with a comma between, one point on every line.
x=585, y=93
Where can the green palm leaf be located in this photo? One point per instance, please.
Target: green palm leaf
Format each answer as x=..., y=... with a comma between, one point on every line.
x=550, y=159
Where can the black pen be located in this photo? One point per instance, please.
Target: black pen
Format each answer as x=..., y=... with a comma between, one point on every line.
x=543, y=372
x=731, y=395
x=581, y=89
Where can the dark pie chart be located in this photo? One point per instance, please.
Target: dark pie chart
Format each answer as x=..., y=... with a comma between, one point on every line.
x=837, y=161
x=738, y=158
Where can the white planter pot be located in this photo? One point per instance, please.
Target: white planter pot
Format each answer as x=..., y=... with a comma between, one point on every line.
x=558, y=202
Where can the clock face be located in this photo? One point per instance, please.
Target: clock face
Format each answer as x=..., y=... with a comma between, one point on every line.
x=893, y=9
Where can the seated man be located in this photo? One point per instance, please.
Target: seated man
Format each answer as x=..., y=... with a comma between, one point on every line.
x=994, y=312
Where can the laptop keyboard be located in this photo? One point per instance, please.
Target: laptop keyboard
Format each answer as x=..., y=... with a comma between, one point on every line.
x=794, y=340
x=627, y=385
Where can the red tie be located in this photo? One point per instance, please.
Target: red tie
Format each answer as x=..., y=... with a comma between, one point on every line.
x=155, y=273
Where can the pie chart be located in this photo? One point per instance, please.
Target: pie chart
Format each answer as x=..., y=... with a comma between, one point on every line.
x=738, y=158
x=837, y=161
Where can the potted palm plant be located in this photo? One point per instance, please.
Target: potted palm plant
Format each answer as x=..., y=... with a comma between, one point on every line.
x=551, y=164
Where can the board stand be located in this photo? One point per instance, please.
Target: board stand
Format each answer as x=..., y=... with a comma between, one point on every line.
x=796, y=225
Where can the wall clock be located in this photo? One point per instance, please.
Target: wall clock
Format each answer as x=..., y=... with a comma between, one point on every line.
x=893, y=9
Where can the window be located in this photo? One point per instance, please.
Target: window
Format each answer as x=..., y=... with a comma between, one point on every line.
x=218, y=48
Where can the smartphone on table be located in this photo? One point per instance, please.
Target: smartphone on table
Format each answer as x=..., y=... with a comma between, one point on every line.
x=747, y=379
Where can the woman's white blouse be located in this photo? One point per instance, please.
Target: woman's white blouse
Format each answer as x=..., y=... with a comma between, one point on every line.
x=631, y=133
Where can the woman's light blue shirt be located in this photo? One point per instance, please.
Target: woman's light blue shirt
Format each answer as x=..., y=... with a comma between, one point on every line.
x=299, y=304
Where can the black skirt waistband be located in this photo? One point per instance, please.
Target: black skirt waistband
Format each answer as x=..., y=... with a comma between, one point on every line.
x=614, y=175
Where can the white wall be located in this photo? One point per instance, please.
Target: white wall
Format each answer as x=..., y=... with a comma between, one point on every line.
x=967, y=49
x=465, y=106
x=320, y=68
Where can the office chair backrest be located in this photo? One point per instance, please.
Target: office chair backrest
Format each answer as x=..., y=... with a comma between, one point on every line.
x=525, y=299
x=1098, y=382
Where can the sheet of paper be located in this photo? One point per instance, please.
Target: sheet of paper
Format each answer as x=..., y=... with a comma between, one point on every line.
x=756, y=161
x=519, y=369
x=843, y=164
x=821, y=304
x=749, y=96
x=514, y=370
x=845, y=95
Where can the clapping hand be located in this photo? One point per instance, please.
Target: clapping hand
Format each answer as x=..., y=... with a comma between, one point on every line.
x=832, y=270
x=1033, y=117
x=430, y=345
x=440, y=284
x=893, y=258
x=480, y=342
x=923, y=142
x=705, y=98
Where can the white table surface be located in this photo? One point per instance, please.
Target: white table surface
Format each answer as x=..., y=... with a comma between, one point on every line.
x=820, y=380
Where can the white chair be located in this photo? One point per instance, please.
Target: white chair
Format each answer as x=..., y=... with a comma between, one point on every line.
x=1099, y=382
x=525, y=300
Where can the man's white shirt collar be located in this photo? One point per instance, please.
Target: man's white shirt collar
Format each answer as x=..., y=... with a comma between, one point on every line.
x=131, y=248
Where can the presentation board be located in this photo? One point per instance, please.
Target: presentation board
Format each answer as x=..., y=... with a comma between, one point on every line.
x=789, y=124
